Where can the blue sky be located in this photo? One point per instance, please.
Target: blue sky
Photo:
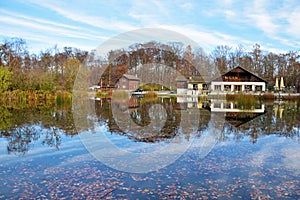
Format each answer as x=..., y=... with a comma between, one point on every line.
x=85, y=24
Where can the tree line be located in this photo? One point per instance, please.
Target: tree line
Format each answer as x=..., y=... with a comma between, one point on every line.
x=51, y=70
x=55, y=69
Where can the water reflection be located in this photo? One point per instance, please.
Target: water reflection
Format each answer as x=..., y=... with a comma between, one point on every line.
x=235, y=115
x=22, y=126
x=234, y=168
x=148, y=120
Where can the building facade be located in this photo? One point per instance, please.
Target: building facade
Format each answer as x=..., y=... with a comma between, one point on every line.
x=128, y=82
x=238, y=80
x=193, y=86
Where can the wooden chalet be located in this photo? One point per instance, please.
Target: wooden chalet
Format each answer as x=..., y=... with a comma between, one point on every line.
x=238, y=80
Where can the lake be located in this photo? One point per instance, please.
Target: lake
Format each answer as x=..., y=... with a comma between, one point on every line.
x=150, y=148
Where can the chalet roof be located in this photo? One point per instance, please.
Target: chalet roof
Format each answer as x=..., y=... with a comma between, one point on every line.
x=263, y=80
x=131, y=77
x=192, y=79
x=197, y=79
x=181, y=78
x=241, y=68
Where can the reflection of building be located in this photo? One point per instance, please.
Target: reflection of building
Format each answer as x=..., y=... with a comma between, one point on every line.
x=193, y=86
x=233, y=114
x=128, y=82
x=227, y=106
x=133, y=102
x=191, y=102
x=238, y=80
x=187, y=102
x=238, y=118
x=125, y=104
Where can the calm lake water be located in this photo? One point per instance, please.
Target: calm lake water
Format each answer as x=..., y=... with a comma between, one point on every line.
x=228, y=151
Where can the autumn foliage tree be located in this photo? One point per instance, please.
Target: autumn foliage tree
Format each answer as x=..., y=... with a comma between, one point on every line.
x=5, y=79
x=56, y=69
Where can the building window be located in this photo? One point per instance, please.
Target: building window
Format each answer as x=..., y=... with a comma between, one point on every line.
x=248, y=87
x=218, y=87
x=227, y=87
x=258, y=88
x=228, y=105
x=195, y=86
x=217, y=105
x=238, y=88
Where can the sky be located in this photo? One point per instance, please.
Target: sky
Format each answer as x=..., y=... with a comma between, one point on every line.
x=85, y=24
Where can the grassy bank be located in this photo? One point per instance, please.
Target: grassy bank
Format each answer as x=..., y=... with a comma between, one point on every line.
x=32, y=97
x=244, y=101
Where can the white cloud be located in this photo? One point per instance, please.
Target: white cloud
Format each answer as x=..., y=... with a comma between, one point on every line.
x=226, y=2
x=207, y=39
x=38, y=20
x=279, y=22
x=42, y=42
x=79, y=16
x=187, y=6
x=150, y=13
x=261, y=17
x=294, y=23
x=47, y=33
x=48, y=29
x=277, y=25
x=230, y=14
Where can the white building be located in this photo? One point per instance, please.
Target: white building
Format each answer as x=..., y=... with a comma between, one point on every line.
x=193, y=86
x=238, y=80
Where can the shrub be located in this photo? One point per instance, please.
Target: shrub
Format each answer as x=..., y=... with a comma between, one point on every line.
x=150, y=94
x=244, y=101
x=120, y=94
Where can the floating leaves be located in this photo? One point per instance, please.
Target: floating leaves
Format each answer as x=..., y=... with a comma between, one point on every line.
x=232, y=170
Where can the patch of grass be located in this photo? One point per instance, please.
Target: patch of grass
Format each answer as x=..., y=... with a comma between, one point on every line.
x=153, y=87
x=244, y=101
x=63, y=97
x=35, y=98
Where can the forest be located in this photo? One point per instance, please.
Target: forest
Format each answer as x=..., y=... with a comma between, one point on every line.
x=55, y=69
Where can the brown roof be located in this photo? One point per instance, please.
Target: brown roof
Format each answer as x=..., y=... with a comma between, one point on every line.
x=197, y=79
x=181, y=78
x=220, y=78
x=131, y=77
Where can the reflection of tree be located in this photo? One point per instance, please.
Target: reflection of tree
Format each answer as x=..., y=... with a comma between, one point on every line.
x=204, y=119
x=154, y=120
x=283, y=120
x=140, y=124
x=52, y=137
x=21, y=138
x=23, y=126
